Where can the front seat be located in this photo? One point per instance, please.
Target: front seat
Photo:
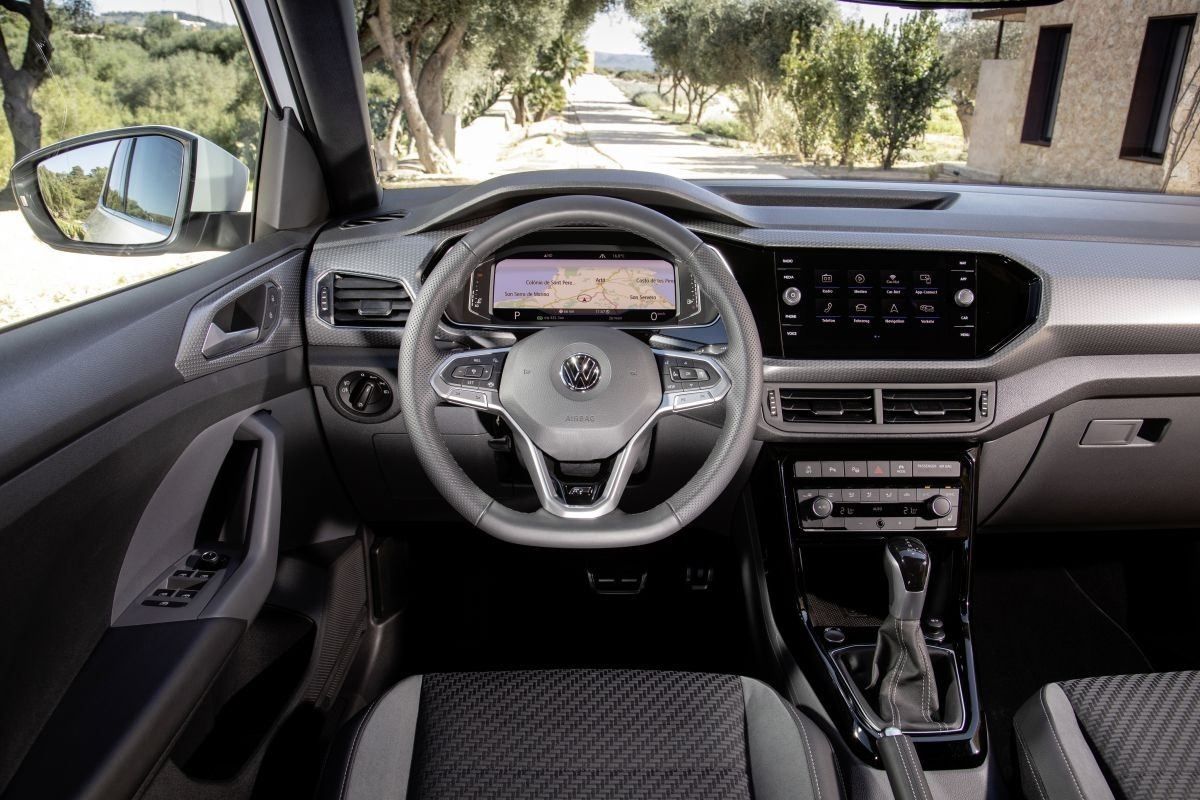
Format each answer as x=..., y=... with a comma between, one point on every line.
x=581, y=734
x=1127, y=736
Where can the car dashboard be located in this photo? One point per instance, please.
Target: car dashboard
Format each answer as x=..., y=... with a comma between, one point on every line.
x=968, y=316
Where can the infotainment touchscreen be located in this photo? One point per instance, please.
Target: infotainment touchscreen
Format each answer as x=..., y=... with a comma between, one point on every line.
x=601, y=287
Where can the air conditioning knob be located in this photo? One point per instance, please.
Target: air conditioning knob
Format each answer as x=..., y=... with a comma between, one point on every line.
x=939, y=506
x=964, y=298
x=820, y=507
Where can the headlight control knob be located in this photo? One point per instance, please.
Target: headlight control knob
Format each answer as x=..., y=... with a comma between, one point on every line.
x=364, y=394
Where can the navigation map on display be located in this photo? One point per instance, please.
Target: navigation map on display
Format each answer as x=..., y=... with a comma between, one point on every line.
x=584, y=285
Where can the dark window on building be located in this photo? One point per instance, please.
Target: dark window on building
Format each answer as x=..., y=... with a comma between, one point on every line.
x=1045, y=84
x=1156, y=88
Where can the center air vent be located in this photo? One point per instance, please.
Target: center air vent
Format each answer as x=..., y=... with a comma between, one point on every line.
x=373, y=219
x=827, y=405
x=359, y=301
x=909, y=406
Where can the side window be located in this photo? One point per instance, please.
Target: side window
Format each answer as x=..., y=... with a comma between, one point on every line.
x=109, y=67
x=114, y=190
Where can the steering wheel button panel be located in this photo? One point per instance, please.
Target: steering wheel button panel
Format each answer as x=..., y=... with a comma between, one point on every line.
x=474, y=370
x=566, y=498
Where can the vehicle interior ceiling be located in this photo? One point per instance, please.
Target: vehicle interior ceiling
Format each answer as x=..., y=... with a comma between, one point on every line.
x=1022, y=436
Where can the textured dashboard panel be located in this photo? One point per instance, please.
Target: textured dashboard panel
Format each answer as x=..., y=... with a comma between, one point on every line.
x=401, y=258
x=288, y=275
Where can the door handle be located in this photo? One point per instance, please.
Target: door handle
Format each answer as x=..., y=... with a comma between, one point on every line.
x=247, y=319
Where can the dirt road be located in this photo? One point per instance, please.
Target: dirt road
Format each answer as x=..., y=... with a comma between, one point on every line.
x=630, y=137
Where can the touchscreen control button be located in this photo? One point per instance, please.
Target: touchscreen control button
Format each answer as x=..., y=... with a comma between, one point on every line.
x=859, y=277
x=827, y=278
x=924, y=278
x=892, y=278
x=925, y=307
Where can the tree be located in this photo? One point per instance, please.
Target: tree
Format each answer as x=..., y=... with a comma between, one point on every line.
x=681, y=36
x=908, y=76
x=751, y=37
x=806, y=88
x=423, y=41
x=665, y=34
x=19, y=83
x=842, y=55
x=965, y=45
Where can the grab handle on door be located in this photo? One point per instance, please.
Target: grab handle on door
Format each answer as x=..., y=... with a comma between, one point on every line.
x=247, y=319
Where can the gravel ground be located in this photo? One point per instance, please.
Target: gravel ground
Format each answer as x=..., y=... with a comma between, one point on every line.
x=36, y=279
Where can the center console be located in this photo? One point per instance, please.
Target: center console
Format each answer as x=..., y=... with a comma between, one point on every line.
x=833, y=515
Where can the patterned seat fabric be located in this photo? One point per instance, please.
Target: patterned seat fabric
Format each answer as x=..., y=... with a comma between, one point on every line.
x=1122, y=736
x=573, y=734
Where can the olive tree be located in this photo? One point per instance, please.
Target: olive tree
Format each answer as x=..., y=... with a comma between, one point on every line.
x=908, y=77
x=806, y=88
x=750, y=39
x=965, y=45
x=422, y=41
x=19, y=78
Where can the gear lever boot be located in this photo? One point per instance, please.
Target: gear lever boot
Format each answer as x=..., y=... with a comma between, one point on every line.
x=902, y=672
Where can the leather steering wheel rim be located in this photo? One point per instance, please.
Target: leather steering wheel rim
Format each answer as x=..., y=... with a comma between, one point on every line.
x=742, y=362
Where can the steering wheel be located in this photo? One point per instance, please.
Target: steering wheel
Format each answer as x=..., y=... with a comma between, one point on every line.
x=581, y=400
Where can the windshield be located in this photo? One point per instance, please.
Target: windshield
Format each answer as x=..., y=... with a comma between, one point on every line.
x=1097, y=94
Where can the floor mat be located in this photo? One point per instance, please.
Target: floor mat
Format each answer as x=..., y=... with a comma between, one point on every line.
x=1034, y=625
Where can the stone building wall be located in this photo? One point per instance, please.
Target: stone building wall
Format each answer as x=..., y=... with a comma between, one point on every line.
x=1102, y=61
x=1000, y=87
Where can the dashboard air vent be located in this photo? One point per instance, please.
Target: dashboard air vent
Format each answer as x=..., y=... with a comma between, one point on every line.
x=827, y=405
x=371, y=220
x=909, y=406
x=369, y=302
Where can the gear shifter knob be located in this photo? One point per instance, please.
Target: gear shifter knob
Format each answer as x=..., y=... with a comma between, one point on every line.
x=906, y=564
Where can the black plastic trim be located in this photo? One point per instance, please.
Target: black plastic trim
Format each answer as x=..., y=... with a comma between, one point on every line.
x=118, y=719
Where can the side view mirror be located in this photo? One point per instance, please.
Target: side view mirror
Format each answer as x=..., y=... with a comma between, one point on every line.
x=134, y=191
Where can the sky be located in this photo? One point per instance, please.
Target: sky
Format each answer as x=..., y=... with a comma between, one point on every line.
x=616, y=32
x=217, y=10
x=613, y=32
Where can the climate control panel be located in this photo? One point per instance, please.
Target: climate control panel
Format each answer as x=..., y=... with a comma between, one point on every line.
x=876, y=495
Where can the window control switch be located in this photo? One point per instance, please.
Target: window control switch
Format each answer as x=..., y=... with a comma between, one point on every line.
x=163, y=603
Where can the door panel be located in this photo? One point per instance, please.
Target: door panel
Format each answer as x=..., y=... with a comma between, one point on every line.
x=96, y=415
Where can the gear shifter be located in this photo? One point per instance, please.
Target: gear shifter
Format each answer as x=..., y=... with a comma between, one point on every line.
x=902, y=672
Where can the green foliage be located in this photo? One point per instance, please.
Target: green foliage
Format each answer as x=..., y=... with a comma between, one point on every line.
x=806, y=88
x=725, y=128
x=843, y=63
x=107, y=74
x=707, y=45
x=71, y=196
x=650, y=100
x=909, y=76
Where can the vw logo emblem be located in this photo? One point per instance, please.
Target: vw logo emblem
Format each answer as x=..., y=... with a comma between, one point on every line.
x=580, y=372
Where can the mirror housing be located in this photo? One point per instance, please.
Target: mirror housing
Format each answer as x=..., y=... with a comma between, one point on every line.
x=207, y=214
